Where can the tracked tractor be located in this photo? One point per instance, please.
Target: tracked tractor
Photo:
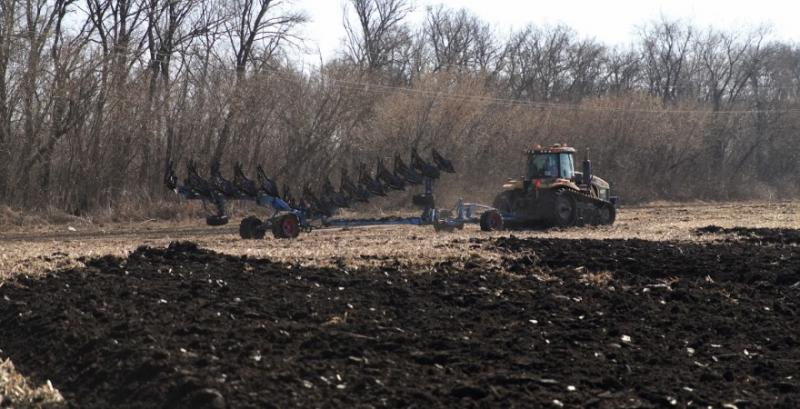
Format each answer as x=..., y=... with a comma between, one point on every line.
x=553, y=194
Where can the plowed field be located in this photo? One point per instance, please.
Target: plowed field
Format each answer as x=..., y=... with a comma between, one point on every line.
x=506, y=320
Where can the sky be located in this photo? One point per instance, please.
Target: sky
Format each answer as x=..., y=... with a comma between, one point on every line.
x=612, y=22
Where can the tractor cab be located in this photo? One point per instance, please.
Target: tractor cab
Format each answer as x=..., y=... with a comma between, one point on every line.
x=553, y=167
x=556, y=162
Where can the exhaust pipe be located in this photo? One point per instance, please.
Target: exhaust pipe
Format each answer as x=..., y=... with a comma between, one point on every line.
x=587, y=170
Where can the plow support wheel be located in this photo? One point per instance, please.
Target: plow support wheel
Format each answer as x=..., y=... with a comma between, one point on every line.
x=491, y=220
x=286, y=226
x=250, y=229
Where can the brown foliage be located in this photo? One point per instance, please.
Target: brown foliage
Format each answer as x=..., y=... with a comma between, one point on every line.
x=90, y=114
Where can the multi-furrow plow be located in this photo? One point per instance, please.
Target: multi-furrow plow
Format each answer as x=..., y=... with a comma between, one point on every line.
x=316, y=208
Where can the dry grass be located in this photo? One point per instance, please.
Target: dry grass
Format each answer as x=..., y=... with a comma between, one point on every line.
x=15, y=220
x=17, y=392
x=600, y=279
x=56, y=246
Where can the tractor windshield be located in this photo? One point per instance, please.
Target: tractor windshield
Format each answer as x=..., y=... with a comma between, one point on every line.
x=550, y=166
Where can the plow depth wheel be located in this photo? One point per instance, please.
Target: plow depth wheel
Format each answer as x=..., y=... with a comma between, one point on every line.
x=250, y=228
x=286, y=226
x=491, y=220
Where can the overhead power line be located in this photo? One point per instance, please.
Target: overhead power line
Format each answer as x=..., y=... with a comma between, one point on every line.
x=387, y=89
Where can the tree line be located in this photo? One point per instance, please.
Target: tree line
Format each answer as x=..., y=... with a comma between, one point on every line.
x=97, y=96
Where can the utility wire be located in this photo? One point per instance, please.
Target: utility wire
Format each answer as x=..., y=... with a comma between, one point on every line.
x=545, y=105
x=388, y=89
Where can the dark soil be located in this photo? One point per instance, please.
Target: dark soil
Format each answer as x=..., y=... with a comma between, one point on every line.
x=763, y=235
x=734, y=261
x=679, y=324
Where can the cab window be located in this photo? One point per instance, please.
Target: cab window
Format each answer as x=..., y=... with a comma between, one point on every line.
x=567, y=167
x=543, y=166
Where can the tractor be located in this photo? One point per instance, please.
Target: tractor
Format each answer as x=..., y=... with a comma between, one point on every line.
x=553, y=194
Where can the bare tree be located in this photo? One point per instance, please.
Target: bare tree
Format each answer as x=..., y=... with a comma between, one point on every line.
x=254, y=25
x=36, y=26
x=622, y=71
x=8, y=12
x=378, y=36
x=460, y=40
x=117, y=27
x=725, y=67
x=67, y=93
x=536, y=65
x=584, y=69
x=666, y=47
x=171, y=28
